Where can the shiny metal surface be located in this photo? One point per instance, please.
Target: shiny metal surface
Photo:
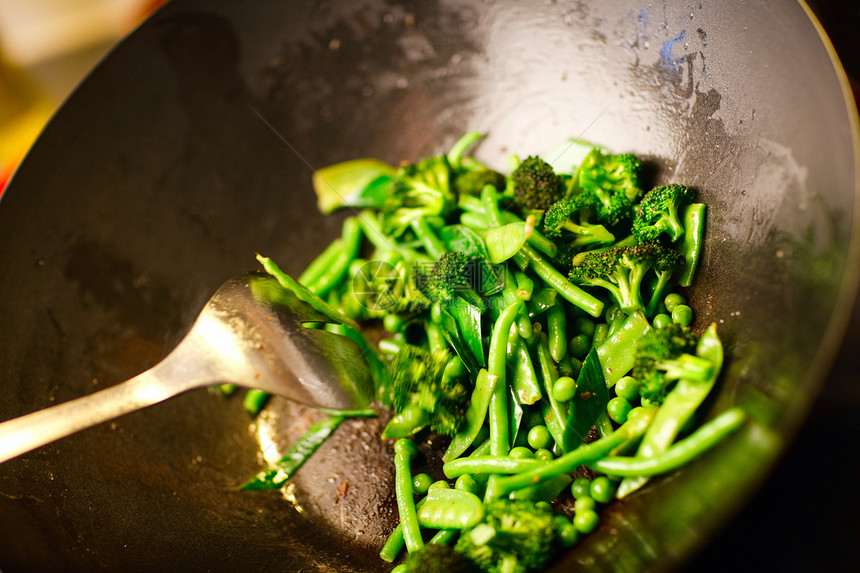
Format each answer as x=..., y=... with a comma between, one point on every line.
x=251, y=333
x=158, y=177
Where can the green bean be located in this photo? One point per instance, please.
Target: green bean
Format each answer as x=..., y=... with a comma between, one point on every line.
x=255, y=400
x=404, y=452
x=567, y=463
x=476, y=412
x=694, y=230
x=509, y=293
x=351, y=236
x=524, y=381
x=473, y=205
x=525, y=285
x=554, y=414
x=679, y=454
x=575, y=295
x=488, y=465
x=473, y=220
x=428, y=237
x=391, y=549
x=497, y=365
x=322, y=262
x=445, y=536
x=455, y=154
x=556, y=322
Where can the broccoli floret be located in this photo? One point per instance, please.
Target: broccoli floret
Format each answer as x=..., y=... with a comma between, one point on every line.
x=437, y=558
x=423, y=395
x=564, y=222
x=664, y=355
x=472, y=182
x=379, y=288
x=452, y=275
x=621, y=270
x=515, y=536
x=658, y=211
x=536, y=186
x=418, y=190
x=609, y=184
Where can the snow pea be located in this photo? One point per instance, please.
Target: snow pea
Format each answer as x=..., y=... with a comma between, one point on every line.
x=680, y=453
x=275, y=476
x=450, y=509
x=476, y=413
x=679, y=406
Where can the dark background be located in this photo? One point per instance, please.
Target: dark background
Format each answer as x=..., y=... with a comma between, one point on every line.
x=807, y=517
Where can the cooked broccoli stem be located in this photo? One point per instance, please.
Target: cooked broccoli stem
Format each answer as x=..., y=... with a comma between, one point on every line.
x=622, y=270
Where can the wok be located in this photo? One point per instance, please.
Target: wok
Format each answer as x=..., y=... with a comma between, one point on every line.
x=190, y=148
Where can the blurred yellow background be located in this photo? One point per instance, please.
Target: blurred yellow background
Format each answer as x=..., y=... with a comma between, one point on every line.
x=46, y=48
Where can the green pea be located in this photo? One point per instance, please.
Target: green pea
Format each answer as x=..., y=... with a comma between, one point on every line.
x=544, y=454
x=564, y=389
x=421, y=483
x=521, y=452
x=581, y=487
x=602, y=489
x=539, y=437
x=585, y=504
x=543, y=505
x=579, y=346
x=392, y=322
x=682, y=314
x=568, y=534
x=627, y=387
x=661, y=320
x=618, y=408
x=586, y=522
x=673, y=299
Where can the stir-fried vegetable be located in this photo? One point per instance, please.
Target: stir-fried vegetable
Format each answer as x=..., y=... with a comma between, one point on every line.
x=537, y=322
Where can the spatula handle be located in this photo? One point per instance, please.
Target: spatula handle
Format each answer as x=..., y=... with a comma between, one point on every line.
x=23, y=434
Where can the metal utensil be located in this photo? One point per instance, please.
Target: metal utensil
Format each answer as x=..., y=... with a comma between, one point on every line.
x=251, y=333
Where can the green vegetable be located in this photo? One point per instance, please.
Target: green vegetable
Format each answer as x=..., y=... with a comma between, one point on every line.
x=609, y=185
x=536, y=186
x=523, y=315
x=436, y=558
x=666, y=354
x=622, y=270
x=422, y=396
x=278, y=474
x=513, y=537
x=404, y=452
x=659, y=213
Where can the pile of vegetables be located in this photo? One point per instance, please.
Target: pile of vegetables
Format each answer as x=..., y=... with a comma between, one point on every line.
x=537, y=320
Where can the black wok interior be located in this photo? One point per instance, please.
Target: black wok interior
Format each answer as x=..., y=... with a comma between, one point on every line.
x=190, y=148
